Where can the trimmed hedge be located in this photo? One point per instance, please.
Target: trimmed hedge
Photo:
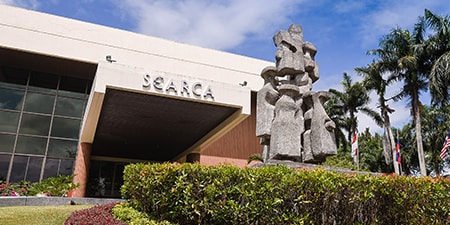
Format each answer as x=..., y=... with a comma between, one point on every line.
x=196, y=194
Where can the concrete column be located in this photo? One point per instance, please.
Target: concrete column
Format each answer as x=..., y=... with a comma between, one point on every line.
x=81, y=172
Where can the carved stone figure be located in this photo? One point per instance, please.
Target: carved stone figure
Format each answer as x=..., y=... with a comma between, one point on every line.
x=265, y=102
x=291, y=120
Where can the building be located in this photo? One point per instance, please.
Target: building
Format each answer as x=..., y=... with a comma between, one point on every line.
x=81, y=98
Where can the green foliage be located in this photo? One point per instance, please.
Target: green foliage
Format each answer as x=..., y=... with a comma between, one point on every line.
x=53, y=186
x=255, y=157
x=131, y=216
x=340, y=161
x=11, y=189
x=196, y=194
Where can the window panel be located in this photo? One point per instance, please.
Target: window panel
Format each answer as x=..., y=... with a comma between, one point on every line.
x=35, y=124
x=4, y=165
x=69, y=107
x=51, y=167
x=62, y=148
x=34, y=168
x=7, y=142
x=14, y=78
x=18, y=169
x=44, y=83
x=66, y=167
x=68, y=128
x=9, y=121
x=31, y=145
x=39, y=103
x=11, y=99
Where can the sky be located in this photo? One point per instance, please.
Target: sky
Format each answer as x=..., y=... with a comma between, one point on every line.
x=342, y=30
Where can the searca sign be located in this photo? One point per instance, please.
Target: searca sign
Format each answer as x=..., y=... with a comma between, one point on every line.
x=183, y=88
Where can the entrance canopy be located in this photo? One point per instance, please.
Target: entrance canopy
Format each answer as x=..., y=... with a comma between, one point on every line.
x=140, y=114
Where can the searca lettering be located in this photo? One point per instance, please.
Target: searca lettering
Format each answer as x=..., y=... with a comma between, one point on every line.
x=180, y=88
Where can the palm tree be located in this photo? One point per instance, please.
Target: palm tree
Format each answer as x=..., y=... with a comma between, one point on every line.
x=403, y=55
x=438, y=47
x=351, y=100
x=436, y=122
x=373, y=80
x=333, y=107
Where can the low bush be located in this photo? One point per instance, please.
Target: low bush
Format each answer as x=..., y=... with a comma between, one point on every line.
x=131, y=216
x=98, y=215
x=196, y=194
x=53, y=186
x=11, y=189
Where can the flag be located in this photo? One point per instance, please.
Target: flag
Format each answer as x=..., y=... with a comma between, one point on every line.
x=398, y=157
x=445, y=146
x=355, y=145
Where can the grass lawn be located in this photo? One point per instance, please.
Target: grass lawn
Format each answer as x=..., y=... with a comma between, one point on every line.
x=37, y=215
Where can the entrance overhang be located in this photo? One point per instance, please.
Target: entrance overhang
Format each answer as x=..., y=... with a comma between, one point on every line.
x=139, y=113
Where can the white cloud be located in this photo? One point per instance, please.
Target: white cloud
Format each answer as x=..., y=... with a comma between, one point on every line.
x=29, y=4
x=390, y=14
x=213, y=24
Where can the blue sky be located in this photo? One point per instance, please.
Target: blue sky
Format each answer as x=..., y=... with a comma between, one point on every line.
x=342, y=30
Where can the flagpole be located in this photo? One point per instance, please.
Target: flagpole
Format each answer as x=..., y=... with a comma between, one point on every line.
x=398, y=155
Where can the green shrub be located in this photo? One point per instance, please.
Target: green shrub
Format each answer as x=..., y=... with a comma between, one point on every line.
x=131, y=216
x=53, y=186
x=196, y=194
x=13, y=189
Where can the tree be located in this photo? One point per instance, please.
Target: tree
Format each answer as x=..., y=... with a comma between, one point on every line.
x=436, y=122
x=333, y=107
x=371, y=153
x=403, y=55
x=373, y=80
x=346, y=104
x=438, y=47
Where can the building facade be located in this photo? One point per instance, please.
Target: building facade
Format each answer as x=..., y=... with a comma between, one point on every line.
x=86, y=99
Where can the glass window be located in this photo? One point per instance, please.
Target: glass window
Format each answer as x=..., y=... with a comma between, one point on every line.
x=34, y=168
x=68, y=128
x=15, y=78
x=51, y=167
x=7, y=142
x=62, y=148
x=18, y=169
x=72, y=87
x=42, y=82
x=39, y=103
x=69, y=107
x=35, y=124
x=9, y=121
x=66, y=167
x=31, y=145
x=4, y=166
x=11, y=99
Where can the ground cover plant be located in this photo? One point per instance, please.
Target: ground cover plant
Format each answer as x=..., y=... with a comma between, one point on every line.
x=37, y=215
x=97, y=215
x=196, y=194
x=58, y=186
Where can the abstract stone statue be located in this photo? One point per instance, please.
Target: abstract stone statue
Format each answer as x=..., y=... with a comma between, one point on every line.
x=290, y=118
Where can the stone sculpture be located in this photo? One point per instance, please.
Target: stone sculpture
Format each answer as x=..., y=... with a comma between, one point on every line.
x=290, y=119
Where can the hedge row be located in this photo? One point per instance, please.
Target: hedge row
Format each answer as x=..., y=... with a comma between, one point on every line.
x=196, y=194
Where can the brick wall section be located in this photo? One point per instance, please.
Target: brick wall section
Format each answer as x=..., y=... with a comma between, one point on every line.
x=237, y=145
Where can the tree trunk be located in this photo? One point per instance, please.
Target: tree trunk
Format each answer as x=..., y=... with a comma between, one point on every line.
x=419, y=143
x=389, y=145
